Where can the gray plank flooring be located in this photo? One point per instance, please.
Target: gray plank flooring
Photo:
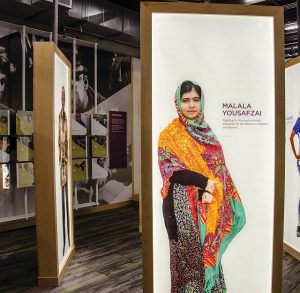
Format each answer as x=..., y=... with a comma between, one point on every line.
x=290, y=274
x=108, y=257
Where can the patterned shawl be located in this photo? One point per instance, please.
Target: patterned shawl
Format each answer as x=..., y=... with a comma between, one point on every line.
x=188, y=145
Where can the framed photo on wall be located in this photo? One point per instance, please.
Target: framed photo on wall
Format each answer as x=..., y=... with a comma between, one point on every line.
x=212, y=147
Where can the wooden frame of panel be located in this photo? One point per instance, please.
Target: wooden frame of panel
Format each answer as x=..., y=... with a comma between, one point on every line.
x=135, y=197
x=49, y=273
x=147, y=8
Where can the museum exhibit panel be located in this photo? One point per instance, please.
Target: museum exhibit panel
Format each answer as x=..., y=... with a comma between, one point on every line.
x=53, y=176
x=206, y=228
x=292, y=162
x=149, y=146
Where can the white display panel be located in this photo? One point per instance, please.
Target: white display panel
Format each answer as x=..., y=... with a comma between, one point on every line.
x=232, y=59
x=63, y=203
x=292, y=175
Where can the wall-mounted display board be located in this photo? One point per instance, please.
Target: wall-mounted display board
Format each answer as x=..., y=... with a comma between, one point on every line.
x=4, y=176
x=79, y=170
x=292, y=158
x=99, y=124
x=212, y=162
x=25, y=148
x=79, y=148
x=24, y=123
x=98, y=146
x=25, y=174
x=53, y=162
x=78, y=126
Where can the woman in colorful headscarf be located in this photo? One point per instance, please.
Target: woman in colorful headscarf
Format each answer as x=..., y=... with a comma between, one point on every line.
x=201, y=206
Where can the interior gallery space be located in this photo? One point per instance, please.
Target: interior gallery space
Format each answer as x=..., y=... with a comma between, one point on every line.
x=150, y=146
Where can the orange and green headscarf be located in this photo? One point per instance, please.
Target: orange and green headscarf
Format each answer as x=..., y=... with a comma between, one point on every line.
x=198, y=129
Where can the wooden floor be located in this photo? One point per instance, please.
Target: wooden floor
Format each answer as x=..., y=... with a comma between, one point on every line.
x=108, y=257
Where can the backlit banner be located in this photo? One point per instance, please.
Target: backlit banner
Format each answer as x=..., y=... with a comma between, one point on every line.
x=213, y=147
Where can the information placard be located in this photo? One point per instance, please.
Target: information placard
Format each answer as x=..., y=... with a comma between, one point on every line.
x=117, y=139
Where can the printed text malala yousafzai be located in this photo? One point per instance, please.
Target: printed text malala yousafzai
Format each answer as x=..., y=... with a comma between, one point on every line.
x=240, y=109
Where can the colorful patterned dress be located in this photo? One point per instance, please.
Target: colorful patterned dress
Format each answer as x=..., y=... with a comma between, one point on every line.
x=198, y=233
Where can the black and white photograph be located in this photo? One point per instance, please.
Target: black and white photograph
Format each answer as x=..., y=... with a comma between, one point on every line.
x=11, y=71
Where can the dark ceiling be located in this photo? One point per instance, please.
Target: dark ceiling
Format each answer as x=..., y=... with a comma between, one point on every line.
x=115, y=22
x=290, y=15
x=135, y=4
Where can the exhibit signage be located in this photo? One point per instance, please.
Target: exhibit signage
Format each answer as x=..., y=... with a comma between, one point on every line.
x=117, y=139
x=213, y=96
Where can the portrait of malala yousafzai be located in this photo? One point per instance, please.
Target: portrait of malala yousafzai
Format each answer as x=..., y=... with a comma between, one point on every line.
x=202, y=209
x=211, y=195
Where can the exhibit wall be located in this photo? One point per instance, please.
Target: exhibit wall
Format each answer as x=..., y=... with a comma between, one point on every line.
x=12, y=199
x=231, y=57
x=292, y=166
x=113, y=94
x=17, y=200
x=101, y=84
